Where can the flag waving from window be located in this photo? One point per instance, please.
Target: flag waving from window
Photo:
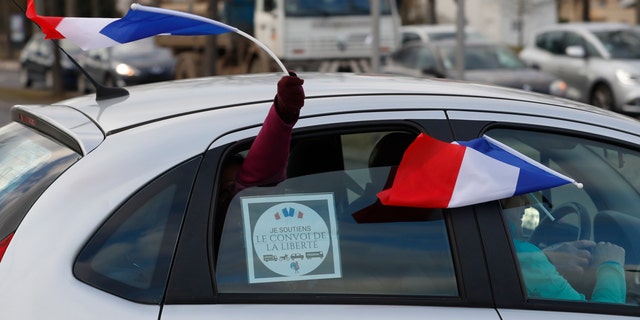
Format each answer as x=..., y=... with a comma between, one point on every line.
x=140, y=22
x=437, y=174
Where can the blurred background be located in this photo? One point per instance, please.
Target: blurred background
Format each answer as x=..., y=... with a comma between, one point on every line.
x=314, y=35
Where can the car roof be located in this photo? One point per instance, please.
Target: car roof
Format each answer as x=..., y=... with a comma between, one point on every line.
x=468, y=42
x=587, y=26
x=433, y=27
x=159, y=101
x=155, y=101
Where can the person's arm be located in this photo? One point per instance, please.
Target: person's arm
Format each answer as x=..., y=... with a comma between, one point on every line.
x=541, y=277
x=266, y=161
x=610, y=284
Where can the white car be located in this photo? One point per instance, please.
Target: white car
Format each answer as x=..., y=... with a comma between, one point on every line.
x=109, y=208
x=600, y=62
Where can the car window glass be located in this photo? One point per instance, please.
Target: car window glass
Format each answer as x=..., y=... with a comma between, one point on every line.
x=621, y=44
x=409, y=37
x=129, y=256
x=407, y=56
x=552, y=42
x=578, y=244
x=322, y=230
x=426, y=59
x=573, y=39
x=30, y=162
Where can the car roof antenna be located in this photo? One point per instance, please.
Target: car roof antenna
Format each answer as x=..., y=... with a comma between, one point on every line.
x=102, y=92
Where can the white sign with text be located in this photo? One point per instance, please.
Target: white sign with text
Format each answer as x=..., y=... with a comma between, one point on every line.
x=291, y=237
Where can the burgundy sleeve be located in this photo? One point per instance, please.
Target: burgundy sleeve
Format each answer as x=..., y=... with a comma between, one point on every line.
x=266, y=161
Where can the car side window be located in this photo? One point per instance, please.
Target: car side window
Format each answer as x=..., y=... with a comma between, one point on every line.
x=130, y=254
x=571, y=243
x=409, y=37
x=574, y=39
x=322, y=230
x=407, y=57
x=552, y=42
x=426, y=59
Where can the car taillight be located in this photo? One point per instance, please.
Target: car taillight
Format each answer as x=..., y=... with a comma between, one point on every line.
x=4, y=243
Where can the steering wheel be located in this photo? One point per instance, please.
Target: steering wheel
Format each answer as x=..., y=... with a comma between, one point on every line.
x=550, y=232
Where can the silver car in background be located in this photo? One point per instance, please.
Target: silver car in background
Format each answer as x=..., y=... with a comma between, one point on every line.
x=599, y=61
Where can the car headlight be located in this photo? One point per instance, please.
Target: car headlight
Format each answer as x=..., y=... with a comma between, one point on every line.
x=626, y=77
x=125, y=70
x=558, y=88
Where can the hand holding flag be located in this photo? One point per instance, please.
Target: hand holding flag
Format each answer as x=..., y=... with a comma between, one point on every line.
x=436, y=174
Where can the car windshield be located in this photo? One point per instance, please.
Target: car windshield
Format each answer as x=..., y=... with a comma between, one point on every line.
x=482, y=58
x=621, y=44
x=29, y=163
x=321, y=8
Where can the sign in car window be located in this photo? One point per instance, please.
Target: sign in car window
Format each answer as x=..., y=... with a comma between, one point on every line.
x=291, y=238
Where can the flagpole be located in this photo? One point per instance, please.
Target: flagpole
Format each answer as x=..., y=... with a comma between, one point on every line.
x=266, y=49
x=137, y=6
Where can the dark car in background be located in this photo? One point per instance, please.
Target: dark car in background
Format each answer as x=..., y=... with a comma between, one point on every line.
x=37, y=62
x=133, y=63
x=485, y=62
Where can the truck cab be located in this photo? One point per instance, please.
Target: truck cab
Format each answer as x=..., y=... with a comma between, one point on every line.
x=324, y=35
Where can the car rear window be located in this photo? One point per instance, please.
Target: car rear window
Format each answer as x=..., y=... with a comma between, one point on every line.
x=29, y=163
x=323, y=231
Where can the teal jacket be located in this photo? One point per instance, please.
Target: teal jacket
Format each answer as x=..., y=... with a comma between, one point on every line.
x=543, y=280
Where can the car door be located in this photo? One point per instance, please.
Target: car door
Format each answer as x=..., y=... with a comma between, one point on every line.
x=548, y=54
x=603, y=215
x=575, y=70
x=318, y=244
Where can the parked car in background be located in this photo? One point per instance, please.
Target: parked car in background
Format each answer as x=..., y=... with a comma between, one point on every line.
x=132, y=63
x=485, y=62
x=37, y=61
x=111, y=209
x=600, y=62
x=434, y=32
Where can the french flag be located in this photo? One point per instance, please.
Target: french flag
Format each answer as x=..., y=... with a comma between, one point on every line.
x=139, y=22
x=437, y=174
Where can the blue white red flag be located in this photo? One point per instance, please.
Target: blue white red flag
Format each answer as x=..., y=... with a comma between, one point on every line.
x=437, y=174
x=139, y=22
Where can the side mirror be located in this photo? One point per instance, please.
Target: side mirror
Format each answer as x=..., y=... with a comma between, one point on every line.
x=575, y=52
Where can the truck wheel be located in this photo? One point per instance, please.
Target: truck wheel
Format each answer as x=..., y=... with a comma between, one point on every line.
x=187, y=66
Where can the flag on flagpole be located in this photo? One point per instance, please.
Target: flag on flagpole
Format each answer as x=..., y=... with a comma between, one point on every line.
x=437, y=174
x=140, y=22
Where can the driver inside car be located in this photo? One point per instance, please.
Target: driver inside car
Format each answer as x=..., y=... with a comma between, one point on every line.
x=542, y=278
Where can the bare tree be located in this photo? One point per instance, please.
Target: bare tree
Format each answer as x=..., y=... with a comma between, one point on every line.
x=211, y=44
x=586, y=9
x=431, y=12
x=56, y=71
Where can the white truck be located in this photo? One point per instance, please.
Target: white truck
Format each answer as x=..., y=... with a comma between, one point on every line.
x=306, y=35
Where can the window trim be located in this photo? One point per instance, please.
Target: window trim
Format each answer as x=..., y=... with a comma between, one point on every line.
x=473, y=292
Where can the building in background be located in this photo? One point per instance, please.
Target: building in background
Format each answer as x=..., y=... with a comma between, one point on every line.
x=599, y=10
